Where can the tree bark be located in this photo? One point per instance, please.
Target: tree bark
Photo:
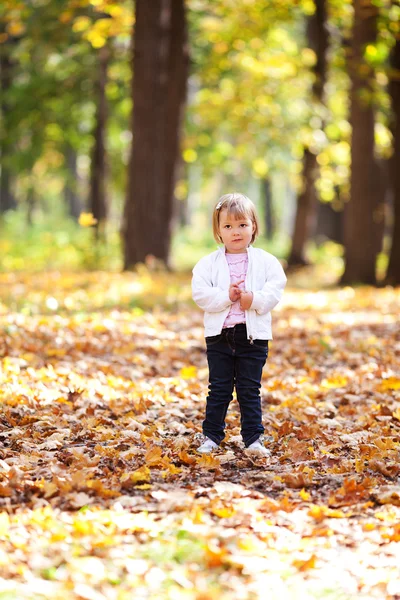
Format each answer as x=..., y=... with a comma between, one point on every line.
x=393, y=271
x=305, y=219
x=360, y=226
x=97, y=194
x=329, y=223
x=160, y=65
x=268, y=207
x=305, y=212
x=7, y=199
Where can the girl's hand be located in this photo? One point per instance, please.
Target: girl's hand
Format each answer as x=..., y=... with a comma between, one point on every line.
x=235, y=291
x=246, y=300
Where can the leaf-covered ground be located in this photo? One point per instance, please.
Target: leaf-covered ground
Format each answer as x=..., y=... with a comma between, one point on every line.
x=103, y=496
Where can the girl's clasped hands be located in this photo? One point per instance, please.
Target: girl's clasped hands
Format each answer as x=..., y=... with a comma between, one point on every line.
x=235, y=293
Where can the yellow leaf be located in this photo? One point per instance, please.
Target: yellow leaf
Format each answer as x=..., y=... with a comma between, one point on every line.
x=304, y=495
x=141, y=475
x=189, y=155
x=224, y=512
x=188, y=372
x=260, y=167
x=334, y=382
x=171, y=470
x=392, y=383
x=81, y=24
x=321, y=512
x=208, y=461
x=81, y=527
x=87, y=220
x=396, y=414
x=154, y=458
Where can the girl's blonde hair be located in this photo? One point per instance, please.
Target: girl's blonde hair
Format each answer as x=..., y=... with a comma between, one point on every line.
x=239, y=206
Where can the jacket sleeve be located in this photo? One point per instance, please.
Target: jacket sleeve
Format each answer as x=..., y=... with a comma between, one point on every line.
x=268, y=297
x=209, y=298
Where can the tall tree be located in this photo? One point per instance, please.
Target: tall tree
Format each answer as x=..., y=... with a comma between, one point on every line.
x=360, y=227
x=317, y=35
x=393, y=271
x=7, y=200
x=98, y=202
x=269, y=219
x=160, y=67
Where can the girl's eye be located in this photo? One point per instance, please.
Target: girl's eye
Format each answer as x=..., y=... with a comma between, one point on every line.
x=243, y=225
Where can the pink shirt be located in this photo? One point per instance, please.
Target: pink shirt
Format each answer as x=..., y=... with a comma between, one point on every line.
x=238, y=268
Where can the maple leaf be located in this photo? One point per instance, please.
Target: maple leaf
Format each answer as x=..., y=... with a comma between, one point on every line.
x=351, y=492
x=141, y=475
x=298, y=450
x=186, y=458
x=154, y=458
x=299, y=479
x=208, y=461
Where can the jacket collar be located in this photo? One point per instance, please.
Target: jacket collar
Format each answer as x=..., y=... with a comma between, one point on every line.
x=221, y=250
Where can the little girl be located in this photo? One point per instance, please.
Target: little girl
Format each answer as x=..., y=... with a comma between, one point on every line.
x=237, y=286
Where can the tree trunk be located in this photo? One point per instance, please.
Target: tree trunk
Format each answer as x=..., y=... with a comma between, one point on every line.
x=7, y=200
x=393, y=271
x=329, y=223
x=317, y=35
x=268, y=208
x=97, y=195
x=160, y=67
x=305, y=212
x=72, y=200
x=360, y=227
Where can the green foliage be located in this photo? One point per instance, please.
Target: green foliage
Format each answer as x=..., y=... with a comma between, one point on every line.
x=54, y=242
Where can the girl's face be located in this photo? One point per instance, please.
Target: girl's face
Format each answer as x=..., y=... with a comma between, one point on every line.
x=235, y=233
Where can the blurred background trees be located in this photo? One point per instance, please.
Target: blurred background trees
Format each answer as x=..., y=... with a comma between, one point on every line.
x=142, y=114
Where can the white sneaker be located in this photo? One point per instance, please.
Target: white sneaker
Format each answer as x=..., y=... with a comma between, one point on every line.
x=207, y=446
x=258, y=447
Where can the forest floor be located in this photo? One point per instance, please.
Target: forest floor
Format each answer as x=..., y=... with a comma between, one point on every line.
x=103, y=382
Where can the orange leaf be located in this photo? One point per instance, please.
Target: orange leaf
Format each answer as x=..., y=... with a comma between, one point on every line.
x=208, y=461
x=154, y=458
x=304, y=565
x=186, y=458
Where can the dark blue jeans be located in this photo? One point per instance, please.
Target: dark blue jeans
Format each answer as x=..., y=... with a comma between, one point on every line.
x=234, y=362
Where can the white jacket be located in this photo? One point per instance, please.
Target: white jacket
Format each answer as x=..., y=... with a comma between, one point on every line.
x=210, y=289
